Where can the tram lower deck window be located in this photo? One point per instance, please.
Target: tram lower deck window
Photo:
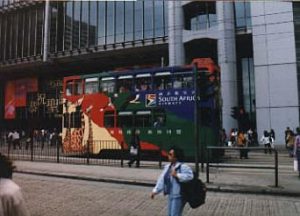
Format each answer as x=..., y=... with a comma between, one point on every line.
x=109, y=120
x=91, y=87
x=125, y=121
x=143, y=121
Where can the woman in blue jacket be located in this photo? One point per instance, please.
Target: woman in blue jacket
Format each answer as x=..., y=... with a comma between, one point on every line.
x=168, y=182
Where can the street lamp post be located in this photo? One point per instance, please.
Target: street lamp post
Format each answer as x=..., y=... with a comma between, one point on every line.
x=196, y=122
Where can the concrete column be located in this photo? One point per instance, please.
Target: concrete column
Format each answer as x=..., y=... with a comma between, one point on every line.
x=175, y=31
x=227, y=61
x=46, y=31
x=275, y=67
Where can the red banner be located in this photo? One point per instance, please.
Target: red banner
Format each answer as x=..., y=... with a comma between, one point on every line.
x=16, y=93
x=10, y=108
x=22, y=87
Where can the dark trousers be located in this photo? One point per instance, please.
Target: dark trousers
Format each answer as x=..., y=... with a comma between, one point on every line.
x=16, y=142
x=243, y=153
x=134, y=158
x=268, y=146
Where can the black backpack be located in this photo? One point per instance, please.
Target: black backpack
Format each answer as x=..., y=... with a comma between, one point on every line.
x=193, y=191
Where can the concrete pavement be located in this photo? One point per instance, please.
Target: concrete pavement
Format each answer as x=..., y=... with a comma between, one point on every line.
x=256, y=181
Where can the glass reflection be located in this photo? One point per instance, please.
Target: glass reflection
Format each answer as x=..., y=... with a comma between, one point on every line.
x=119, y=22
x=148, y=27
x=84, y=24
x=101, y=22
x=76, y=20
x=138, y=20
x=158, y=18
x=110, y=18
x=129, y=21
x=79, y=24
x=93, y=23
x=68, y=26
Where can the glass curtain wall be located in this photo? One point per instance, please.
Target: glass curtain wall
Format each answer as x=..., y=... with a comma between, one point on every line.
x=79, y=24
x=242, y=15
x=21, y=32
x=97, y=23
x=248, y=82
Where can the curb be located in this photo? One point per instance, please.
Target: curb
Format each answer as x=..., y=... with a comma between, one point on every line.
x=213, y=188
x=105, y=180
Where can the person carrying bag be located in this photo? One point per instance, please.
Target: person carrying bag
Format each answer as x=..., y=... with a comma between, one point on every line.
x=134, y=150
x=297, y=151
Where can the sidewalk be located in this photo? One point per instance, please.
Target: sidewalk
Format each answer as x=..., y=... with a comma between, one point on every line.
x=254, y=181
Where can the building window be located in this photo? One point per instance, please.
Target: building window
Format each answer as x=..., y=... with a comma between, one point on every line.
x=76, y=25
x=158, y=18
x=149, y=19
x=68, y=30
x=248, y=86
x=93, y=23
x=101, y=23
x=129, y=16
x=84, y=23
x=53, y=26
x=120, y=15
x=200, y=15
x=138, y=20
x=110, y=19
x=242, y=15
x=39, y=31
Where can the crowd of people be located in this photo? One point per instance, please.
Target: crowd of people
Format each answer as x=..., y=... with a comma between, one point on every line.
x=18, y=139
x=240, y=138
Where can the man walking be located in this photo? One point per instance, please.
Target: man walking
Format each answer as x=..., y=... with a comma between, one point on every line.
x=169, y=182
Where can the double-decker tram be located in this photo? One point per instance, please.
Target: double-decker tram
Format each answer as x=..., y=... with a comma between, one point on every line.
x=157, y=102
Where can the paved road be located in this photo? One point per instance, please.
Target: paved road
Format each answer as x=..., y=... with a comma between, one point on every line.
x=48, y=196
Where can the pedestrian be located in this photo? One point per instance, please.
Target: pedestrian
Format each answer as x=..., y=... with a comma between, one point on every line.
x=288, y=130
x=242, y=143
x=11, y=198
x=223, y=137
x=29, y=139
x=16, y=139
x=43, y=138
x=272, y=138
x=250, y=137
x=265, y=140
x=255, y=138
x=290, y=139
x=168, y=181
x=10, y=139
x=134, y=149
x=232, y=137
x=297, y=148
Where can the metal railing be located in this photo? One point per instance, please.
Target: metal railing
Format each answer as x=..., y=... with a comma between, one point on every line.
x=211, y=149
x=96, y=152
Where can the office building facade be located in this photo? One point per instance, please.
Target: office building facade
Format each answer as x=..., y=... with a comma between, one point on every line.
x=256, y=45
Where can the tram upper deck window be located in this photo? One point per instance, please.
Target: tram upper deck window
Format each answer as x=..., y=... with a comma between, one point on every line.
x=143, y=119
x=124, y=83
x=69, y=88
x=143, y=82
x=78, y=87
x=183, y=80
x=108, y=84
x=163, y=80
x=125, y=119
x=91, y=85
